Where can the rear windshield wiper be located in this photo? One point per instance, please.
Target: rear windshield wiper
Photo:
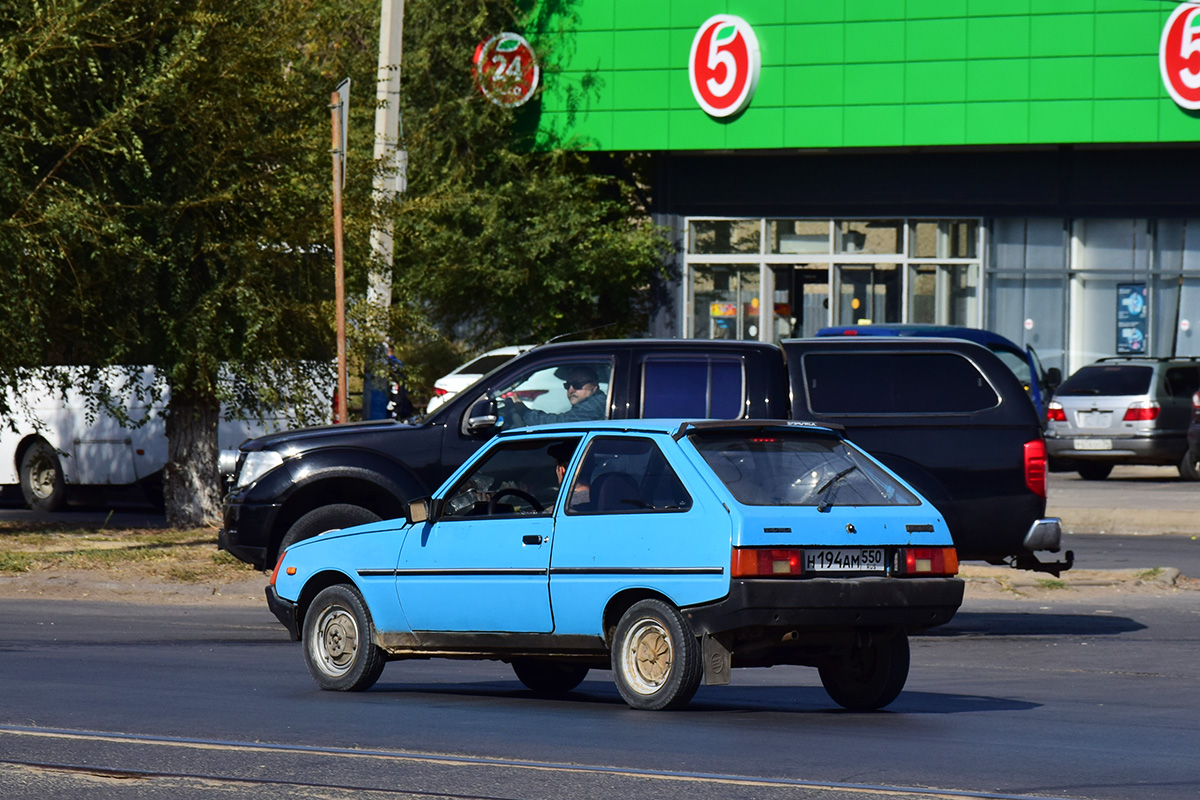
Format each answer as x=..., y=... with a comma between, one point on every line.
x=824, y=505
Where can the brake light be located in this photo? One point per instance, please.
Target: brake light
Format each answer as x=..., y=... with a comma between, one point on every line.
x=767, y=562
x=1035, y=467
x=849, y=333
x=438, y=392
x=930, y=561
x=1143, y=411
x=1055, y=413
x=1196, y=402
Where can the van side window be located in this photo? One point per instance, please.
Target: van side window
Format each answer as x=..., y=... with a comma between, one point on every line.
x=696, y=388
x=619, y=476
x=896, y=383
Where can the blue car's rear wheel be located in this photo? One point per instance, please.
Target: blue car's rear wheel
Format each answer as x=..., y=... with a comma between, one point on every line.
x=871, y=675
x=655, y=657
x=339, y=641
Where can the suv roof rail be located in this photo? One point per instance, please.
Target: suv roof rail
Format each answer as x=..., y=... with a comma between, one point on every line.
x=1158, y=359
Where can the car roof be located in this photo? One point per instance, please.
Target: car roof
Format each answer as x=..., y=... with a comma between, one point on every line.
x=676, y=427
x=977, y=335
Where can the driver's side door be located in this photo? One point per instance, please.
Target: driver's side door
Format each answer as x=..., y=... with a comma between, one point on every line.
x=483, y=565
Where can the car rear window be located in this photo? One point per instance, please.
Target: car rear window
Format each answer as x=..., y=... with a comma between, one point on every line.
x=696, y=388
x=1108, y=380
x=895, y=383
x=780, y=469
x=484, y=364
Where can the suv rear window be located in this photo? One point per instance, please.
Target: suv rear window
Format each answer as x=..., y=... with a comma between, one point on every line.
x=695, y=388
x=778, y=469
x=895, y=383
x=1108, y=380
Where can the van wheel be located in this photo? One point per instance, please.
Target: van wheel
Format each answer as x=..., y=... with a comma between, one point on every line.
x=326, y=518
x=42, y=481
x=549, y=677
x=655, y=657
x=1094, y=472
x=870, y=676
x=1189, y=467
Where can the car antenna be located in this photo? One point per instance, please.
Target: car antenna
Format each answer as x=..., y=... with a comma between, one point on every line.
x=553, y=339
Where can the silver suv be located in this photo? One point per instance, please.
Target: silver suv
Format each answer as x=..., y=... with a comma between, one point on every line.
x=1124, y=410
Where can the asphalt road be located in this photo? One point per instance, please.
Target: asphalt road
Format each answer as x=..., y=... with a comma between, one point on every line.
x=1087, y=700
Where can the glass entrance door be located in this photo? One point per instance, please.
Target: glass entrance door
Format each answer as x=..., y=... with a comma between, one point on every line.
x=801, y=300
x=867, y=293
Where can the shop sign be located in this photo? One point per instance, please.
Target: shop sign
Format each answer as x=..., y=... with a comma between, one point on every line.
x=1131, y=318
x=1179, y=56
x=506, y=70
x=724, y=65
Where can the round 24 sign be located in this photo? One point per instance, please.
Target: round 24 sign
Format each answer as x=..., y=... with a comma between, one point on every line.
x=1179, y=56
x=506, y=70
x=724, y=65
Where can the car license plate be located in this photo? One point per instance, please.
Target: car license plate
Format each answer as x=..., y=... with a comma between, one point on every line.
x=845, y=559
x=1093, y=444
x=1094, y=419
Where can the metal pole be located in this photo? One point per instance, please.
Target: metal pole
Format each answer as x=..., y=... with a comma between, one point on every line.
x=339, y=269
x=391, y=177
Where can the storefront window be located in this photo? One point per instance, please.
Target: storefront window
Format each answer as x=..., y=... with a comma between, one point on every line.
x=881, y=236
x=726, y=302
x=944, y=238
x=1117, y=244
x=943, y=294
x=725, y=236
x=1177, y=245
x=868, y=293
x=787, y=236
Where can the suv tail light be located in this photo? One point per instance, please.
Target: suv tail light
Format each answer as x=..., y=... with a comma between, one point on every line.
x=1055, y=413
x=1035, y=467
x=930, y=561
x=767, y=562
x=1143, y=411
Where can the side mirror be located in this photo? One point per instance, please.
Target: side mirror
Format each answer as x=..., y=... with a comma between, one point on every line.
x=482, y=416
x=423, y=509
x=1053, y=377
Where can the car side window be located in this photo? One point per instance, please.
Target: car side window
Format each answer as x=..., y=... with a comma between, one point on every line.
x=1182, y=381
x=516, y=478
x=696, y=388
x=896, y=383
x=572, y=391
x=626, y=475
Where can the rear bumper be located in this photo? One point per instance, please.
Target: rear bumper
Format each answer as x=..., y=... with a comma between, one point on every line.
x=1165, y=449
x=817, y=603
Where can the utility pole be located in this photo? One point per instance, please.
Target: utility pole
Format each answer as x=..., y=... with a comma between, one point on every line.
x=391, y=179
x=337, y=111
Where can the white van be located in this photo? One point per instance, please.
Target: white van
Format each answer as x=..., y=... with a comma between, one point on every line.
x=51, y=444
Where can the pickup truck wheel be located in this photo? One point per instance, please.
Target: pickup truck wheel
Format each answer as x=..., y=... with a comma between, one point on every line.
x=42, y=482
x=1189, y=467
x=1094, y=472
x=339, y=641
x=655, y=657
x=870, y=676
x=549, y=677
x=326, y=518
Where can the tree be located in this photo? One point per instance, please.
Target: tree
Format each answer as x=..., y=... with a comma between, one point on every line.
x=505, y=238
x=164, y=200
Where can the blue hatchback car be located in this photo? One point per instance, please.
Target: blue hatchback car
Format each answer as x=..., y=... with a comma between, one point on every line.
x=668, y=551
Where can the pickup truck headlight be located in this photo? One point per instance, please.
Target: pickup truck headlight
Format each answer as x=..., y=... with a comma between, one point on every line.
x=257, y=464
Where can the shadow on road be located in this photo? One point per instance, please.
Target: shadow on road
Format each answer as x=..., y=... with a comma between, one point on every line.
x=967, y=623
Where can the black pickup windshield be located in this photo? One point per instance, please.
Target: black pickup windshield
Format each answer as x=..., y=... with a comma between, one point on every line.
x=784, y=469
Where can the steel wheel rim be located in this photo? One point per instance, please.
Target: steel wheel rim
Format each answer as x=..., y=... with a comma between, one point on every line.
x=42, y=477
x=648, y=656
x=335, y=640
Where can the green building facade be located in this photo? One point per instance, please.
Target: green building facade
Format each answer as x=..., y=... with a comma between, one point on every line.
x=1021, y=166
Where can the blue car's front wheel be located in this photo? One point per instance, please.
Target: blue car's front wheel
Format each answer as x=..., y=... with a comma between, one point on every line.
x=339, y=641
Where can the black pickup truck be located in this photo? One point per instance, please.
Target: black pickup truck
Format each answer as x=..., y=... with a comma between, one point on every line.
x=946, y=415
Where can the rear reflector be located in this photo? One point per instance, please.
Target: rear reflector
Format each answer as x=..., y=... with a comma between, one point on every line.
x=930, y=561
x=1035, y=467
x=767, y=562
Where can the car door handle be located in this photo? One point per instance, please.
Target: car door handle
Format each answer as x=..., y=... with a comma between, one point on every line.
x=531, y=538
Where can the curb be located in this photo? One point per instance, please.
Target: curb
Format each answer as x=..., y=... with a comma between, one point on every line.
x=1013, y=579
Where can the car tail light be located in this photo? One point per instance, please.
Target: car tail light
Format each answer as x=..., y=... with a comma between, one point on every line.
x=438, y=392
x=1035, y=467
x=930, y=561
x=767, y=562
x=1145, y=411
x=1196, y=402
x=1055, y=413
x=278, y=564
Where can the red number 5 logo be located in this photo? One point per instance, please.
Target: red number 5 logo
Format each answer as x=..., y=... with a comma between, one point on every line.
x=724, y=65
x=1179, y=56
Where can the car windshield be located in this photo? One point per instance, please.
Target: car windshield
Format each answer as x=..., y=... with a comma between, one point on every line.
x=1108, y=380
x=778, y=468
